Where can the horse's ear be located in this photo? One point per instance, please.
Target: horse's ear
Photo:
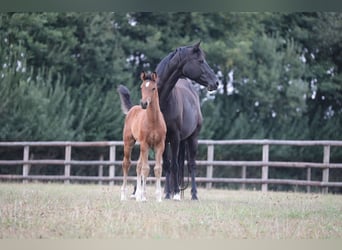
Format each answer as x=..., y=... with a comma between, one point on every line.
x=142, y=75
x=196, y=46
x=154, y=76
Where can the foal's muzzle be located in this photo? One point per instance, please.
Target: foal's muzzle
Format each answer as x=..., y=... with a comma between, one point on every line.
x=143, y=104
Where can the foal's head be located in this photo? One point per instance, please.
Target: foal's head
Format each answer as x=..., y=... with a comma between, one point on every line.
x=149, y=91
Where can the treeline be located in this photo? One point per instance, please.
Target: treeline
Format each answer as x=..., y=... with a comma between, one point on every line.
x=280, y=73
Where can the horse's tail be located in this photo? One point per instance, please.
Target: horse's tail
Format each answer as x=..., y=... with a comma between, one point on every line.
x=125, y=97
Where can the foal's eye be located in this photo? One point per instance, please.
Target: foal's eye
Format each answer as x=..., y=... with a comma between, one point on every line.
x=153, y=89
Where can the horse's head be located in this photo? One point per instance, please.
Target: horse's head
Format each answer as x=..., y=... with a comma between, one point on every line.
x=196, y=67
x=148, y=88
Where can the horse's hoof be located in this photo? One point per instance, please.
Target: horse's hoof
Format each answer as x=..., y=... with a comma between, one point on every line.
x=194, y=198
x=167, y=197
x=177, y=197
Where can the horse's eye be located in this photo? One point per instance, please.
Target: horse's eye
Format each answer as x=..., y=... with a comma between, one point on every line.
x=201, y=61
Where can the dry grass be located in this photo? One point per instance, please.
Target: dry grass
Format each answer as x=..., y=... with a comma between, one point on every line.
x=91, y=211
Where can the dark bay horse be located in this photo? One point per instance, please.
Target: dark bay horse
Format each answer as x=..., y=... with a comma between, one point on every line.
x=179, y=103
x=144, y=123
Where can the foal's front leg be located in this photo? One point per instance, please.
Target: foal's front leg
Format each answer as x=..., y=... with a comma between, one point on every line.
x=143, y=170
x=138, y=190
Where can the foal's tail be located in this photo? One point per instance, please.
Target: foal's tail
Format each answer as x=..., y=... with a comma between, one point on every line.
x=125, y=97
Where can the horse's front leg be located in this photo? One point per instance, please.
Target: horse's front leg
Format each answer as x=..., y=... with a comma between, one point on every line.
x=167, y=171
x=175, y=168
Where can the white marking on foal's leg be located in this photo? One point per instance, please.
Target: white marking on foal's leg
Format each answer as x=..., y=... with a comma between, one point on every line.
x=157, y=173
x=138, y=192
x=158, y=195
x=143, y=190
x=158, y=190
x=123, y=193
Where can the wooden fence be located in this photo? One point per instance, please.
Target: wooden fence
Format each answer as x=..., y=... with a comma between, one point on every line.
x=209, y=163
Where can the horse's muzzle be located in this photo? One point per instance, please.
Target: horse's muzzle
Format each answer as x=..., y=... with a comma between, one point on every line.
x=212, y=87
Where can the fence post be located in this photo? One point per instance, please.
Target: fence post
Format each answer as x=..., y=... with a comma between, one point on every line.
x=210, y=157
x=308, y=178
x=243, y=176
x=26, y=167
x=100, y=174
x=112, y=167
x=325, y=173
x=264, y=173
x=67, y=165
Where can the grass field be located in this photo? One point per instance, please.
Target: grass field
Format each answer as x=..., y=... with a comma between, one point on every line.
x=57, y=211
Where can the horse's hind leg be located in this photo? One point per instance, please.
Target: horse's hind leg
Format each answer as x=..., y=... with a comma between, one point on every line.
x=192, y=150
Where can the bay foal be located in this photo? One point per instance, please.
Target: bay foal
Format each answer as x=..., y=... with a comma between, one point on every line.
x=143, y=123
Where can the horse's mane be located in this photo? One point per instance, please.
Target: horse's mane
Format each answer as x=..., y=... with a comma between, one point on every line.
x=165, y=62
x=162, y=66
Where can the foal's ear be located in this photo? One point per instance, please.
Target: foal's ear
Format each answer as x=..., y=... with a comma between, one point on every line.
x=196, y=46
x=154, y=76
x=142, y=75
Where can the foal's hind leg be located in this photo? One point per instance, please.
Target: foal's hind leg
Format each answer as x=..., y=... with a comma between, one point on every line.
x=128, y=145
x=138, y=190
x=159, y=149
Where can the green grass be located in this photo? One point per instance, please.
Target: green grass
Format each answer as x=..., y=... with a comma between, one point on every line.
x=57, y=211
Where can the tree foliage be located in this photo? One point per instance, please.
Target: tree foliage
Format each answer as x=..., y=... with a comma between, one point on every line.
x=276, y=70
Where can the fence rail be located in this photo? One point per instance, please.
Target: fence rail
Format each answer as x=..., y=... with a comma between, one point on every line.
x=210, y=163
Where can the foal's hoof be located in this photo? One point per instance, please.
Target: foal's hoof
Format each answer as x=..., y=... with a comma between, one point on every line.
x=141, y=199
x=123, y=197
